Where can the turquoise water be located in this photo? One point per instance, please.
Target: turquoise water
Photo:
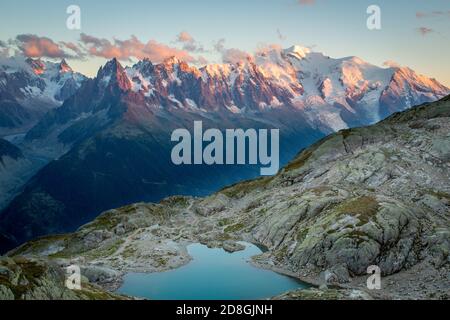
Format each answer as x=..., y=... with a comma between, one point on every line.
x=213, y=274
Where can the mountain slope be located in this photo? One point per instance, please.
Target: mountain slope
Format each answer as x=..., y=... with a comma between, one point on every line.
x=12, y=162
x=377, y=195
x=34, y=279
x=9, y=150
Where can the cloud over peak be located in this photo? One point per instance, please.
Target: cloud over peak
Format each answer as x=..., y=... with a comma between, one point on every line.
x=34, y=46
x=231, y=55
x=391, y=64
x=131, y=48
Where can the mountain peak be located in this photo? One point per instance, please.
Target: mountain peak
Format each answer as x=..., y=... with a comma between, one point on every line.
x=173, y=60
x=64, y=66
x=37, y=65
x=298, y=51
x=114, y=73
x=145, y=67
x=113, y=65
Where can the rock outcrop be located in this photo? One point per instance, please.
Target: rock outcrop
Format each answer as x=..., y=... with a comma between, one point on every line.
x=35, y=279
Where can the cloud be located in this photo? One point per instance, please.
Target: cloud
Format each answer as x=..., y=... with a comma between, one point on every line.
x=184, y=37
x=424, y=31
x=77, y=50
x=202, y=61
x=4, y=50
x=131, y=48
x=91, y=40
x=36, y=47
x=420, y=14
x=189, y=43
x=391, y=64
x=433, y=14
x=306, y=2
x=219, y=46
x=231, y=55
x=234, y=56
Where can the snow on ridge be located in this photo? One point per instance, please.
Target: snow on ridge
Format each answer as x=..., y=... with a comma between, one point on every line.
x=52, y=75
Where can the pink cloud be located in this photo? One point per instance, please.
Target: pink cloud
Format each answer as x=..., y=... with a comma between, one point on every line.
x=420, y=14
x=184, y=37
x=36, y=47
x=132, y=48
x=436, y=13
x=306, y=2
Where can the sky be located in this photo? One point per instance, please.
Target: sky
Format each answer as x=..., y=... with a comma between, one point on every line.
x=414, y=33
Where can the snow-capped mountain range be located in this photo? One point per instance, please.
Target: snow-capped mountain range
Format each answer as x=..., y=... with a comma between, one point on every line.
x=31, y=87
x=333, y=93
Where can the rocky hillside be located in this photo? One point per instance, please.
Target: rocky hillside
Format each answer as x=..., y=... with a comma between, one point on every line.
x=377, y=195
x=33, y=279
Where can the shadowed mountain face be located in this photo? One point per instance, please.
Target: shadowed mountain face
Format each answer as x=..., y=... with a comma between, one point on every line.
x=12, y=160
x=116, y=129
x=9, y=150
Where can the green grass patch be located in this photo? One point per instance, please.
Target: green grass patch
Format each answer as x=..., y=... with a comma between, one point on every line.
x=365, y=208
x=234, y=228
x=224, y=222
x=240, y=189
